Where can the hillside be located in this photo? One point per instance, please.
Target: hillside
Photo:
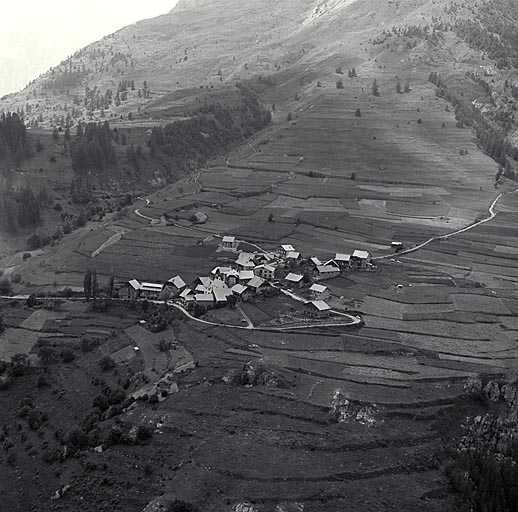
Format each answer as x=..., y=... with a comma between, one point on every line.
x=333, y=126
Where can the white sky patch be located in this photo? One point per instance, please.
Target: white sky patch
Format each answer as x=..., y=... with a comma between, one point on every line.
x=45, y=32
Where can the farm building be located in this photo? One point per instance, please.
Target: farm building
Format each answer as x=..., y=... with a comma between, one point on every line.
x=320, y=292
x=263, y=258
x=361, y=258
x=294, y=279
x=204, y=299
x=201, y=288
x=187, y=295
x=245, y=276
x=150, y=291
x=265, y=271
x=173, y=287
x=220, y=296
x=285, y=249
x=317, y=309
x=293, y=258
x=257, y=285
x=229, y=243
x=203, y=280
x=130, y=290
x=397, y=246
x=326, y=272
x=342, y=260
x=241, y=292
x=314, y=262
x=245, y=261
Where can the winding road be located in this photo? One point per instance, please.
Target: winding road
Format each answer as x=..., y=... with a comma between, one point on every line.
x=492, y=214
x=356, y=321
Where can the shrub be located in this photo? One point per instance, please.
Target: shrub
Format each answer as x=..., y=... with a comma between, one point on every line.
x=106, y=363
x=358, y=113
x=26, y=255
x=34, y=242
x=102, y=402
x=5, y=287
x=340, y=84
x=67, y=356
x=181, y=506
x=16, y=278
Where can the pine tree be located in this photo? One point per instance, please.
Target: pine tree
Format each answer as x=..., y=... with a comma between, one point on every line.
x=94, y=285
x=111, y=286
x=87, y=284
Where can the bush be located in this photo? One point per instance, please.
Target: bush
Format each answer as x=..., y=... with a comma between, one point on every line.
x=358, y=113
x=34, y=242
x=107, y=363
x=340, y=84
x=101, y=402
x=26, y=255
x=5, y=287
x=16, y=278
x=67, y=356
x=181, y=506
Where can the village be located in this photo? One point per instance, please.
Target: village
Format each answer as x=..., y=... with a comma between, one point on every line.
x=252, y=275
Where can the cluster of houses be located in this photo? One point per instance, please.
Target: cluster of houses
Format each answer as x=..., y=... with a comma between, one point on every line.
x=253, y=274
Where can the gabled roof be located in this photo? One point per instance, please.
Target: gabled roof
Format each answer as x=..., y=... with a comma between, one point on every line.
x=134, y=284
x=221, y=270
x=217, y=283
x=294, y=278
x=267, y=256
x=315, y=261
x=256, y=282
x=287, y=248
x=151, y=287
x=220, y=295
x=245, y=259
x=205, y=280
x=246, y=274
x=318, y=288
x=202, y=289
x=269, y=268
x=178, y=282
x=239, y=289
x=327, y=269
x=331, y=263
x=186, y=292
x=320, y=305
x=229, y=239
x=363, y=255
x=342, y=257
x=204, y=297
x=293, y=255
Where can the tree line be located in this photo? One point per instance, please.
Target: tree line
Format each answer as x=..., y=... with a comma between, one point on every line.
x=211, y=130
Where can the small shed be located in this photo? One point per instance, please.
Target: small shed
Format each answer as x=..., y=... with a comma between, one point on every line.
x=361, y=258
x=229, y=243
x=295, y=279
x=326, y=272
x=265, y=271
x=317, y=309
x=320, y=292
